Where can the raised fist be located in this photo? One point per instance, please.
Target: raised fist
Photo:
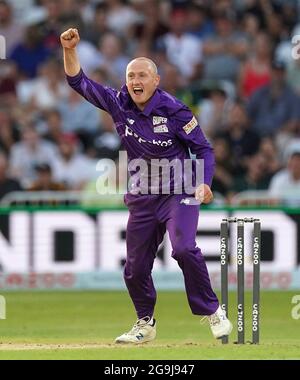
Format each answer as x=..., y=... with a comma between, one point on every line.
x=70, y=38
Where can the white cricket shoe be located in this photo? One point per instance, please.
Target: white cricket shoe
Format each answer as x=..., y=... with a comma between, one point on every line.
x=220, y=325
x=144, y=330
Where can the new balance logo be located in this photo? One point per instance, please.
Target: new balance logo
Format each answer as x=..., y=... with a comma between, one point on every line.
x=140, y=336
x=185, y=201
x=190, y=202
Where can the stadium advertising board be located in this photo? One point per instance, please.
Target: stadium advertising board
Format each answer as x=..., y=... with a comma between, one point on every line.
x=77, y=249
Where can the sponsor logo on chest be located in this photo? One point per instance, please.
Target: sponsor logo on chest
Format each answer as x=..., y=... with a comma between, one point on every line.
x=159, y=124
x=129, y=132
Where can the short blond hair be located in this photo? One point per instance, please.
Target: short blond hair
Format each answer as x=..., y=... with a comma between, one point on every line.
x=152, y=64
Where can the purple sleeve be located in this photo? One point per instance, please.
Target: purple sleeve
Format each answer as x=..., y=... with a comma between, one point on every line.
x=189, y=133
x=100, y=96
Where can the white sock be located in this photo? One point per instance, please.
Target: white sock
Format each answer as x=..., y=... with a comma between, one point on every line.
x=151, y=322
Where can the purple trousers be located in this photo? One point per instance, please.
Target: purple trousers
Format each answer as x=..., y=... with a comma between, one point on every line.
x=150, y=216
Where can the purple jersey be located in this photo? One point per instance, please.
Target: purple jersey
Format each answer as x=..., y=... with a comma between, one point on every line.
x=165, y=129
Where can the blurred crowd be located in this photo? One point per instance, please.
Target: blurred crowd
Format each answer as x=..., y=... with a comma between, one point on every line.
x=231, y=61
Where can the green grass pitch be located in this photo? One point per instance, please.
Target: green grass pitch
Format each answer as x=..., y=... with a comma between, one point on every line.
x=83, y=325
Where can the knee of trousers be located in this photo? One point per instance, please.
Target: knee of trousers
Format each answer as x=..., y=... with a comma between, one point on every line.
x=184, y=251
x=134, y=273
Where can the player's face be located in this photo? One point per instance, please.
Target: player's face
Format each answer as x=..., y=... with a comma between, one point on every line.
x=141, y=81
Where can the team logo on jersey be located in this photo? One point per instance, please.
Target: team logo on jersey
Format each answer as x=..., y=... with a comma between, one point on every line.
x=161, y=129
x=159, y=124
x=157, y=120
x=190, y=126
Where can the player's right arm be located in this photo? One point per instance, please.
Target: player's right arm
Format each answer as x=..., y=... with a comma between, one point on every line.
x=69, y=41
x=100, y=96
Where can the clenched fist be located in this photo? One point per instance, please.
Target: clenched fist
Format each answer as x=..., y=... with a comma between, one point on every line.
x=70, y=39
x=204, y=194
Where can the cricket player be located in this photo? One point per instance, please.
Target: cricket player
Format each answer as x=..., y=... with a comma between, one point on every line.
x=154, y=124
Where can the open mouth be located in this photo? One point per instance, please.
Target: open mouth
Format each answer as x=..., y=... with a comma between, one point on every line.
x=138, y=90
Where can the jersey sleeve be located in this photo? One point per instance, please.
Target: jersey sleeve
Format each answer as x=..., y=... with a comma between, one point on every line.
x=189, y=133
x=103, y=97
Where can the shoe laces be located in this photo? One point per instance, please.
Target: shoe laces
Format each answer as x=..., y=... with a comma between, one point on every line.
x=213, y=319
x=203, y=320
x=140, y=323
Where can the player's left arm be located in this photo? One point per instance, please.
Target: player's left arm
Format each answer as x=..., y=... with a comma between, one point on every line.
x=189, y=133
